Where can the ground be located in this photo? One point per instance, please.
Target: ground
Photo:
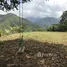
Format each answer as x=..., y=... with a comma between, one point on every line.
x=42, y=49
x=50, y=37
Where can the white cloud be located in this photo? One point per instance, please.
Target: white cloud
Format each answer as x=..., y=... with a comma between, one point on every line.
x=42, y=8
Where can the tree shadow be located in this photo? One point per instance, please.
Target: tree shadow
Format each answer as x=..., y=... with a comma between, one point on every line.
x=54, y=55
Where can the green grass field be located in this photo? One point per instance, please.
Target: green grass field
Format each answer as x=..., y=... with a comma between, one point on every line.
x=50, y=37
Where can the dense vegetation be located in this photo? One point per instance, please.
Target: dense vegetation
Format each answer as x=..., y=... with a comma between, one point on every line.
x=63, y=22
x=61, y=26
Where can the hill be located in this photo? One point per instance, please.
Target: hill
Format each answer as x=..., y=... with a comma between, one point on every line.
x=11, y=20
x=47, y=21
x=33, y=19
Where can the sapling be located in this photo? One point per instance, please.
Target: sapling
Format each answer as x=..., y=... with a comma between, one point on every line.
x=20, y=44
x=0, y=33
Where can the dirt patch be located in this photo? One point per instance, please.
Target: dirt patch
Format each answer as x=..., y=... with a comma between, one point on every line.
x=36, y=54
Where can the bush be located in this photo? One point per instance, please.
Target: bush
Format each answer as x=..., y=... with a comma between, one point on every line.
x=0, y=33
x=63, y=26
x=7, y=31
x=53, y=27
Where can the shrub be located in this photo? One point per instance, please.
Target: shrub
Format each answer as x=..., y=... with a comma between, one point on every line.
x=7, y=31
x=0, y=33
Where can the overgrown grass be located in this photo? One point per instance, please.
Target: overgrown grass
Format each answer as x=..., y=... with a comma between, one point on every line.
x=51, y=37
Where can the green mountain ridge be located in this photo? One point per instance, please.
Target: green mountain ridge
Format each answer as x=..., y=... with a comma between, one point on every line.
x=11, y=20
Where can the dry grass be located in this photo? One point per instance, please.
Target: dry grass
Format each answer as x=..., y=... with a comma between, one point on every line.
x=51, y=37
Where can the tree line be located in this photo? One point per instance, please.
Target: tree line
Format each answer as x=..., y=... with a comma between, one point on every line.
x=61, y=26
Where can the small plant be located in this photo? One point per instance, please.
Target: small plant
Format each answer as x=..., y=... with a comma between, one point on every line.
x=0, y=33
x=20, y=44
x=7, y=31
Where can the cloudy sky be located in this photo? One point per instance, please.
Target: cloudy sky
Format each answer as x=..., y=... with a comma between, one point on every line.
x=42, y=8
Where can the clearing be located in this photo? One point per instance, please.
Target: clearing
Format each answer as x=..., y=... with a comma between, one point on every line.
x=50, y=37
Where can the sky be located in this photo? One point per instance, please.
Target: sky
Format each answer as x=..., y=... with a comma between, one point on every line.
x=41, y=8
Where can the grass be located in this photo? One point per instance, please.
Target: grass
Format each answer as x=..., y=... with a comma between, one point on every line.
x=50, y=37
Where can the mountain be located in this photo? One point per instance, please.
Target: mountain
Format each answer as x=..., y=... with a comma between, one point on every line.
x=47, y=21
x=33, y=19
x=11, y=20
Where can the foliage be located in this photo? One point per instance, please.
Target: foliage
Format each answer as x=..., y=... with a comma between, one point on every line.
x=63, y=22
x=20, y=42
x=63, y=26
x=4, y=4
x=0, y=33
x=53, y=27
x=7, y=31
x=40, y=29
x=63, y=16
x=20, y=28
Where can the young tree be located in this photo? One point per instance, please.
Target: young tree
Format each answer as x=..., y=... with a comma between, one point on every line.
x=4, y=4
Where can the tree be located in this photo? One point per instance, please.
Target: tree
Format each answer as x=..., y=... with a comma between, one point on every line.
x=4, y=4
x=63, y=16
x=63, y=26
x=40, y=29
x=13, y=4
x=63, y=22
x=53, y=27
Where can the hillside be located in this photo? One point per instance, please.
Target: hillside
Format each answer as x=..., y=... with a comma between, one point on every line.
x=47, y=21
x=11, y=20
